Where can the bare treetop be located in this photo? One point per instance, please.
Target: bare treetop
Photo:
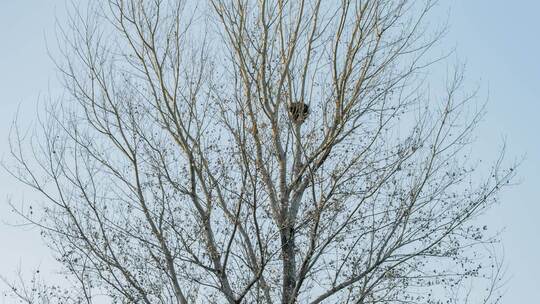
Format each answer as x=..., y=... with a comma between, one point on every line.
x=258, y=152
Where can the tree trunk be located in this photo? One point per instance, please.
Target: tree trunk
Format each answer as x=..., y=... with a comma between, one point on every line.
x=289, y=263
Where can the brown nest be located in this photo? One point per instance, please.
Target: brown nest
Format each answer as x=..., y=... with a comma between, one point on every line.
x=299, y=111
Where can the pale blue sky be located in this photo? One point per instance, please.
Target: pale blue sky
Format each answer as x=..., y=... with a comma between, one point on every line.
x=499, y=40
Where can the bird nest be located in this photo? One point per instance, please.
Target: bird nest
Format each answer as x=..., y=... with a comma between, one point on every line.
x=298, y=111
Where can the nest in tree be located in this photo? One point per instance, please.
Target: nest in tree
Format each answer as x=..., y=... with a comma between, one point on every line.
x=298, y=111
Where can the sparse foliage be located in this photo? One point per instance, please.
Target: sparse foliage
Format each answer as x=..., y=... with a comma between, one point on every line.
x=180, y=168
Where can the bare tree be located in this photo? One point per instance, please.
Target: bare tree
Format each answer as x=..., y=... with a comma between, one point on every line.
x=242, y=151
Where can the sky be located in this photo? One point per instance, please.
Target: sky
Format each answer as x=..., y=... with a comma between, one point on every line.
x=498, y=40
